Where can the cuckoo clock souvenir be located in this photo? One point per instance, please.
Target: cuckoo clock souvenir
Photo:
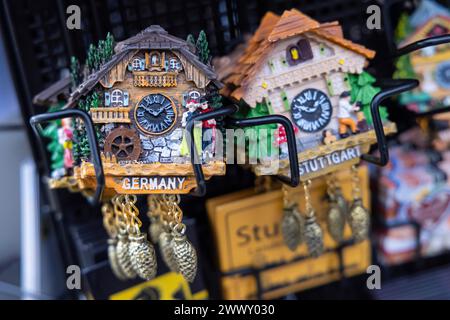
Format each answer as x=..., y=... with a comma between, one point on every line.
x=431, y=64
x=309, y=73
x=139, y=101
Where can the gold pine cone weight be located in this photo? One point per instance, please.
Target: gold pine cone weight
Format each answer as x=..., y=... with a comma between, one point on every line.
x=123, y=257
x=336, y=222
x=165, y=247
x=142, y=256
x=359, y=221
x=292, y=228
x=113, y=261
x=313, y=237
x=185, y=256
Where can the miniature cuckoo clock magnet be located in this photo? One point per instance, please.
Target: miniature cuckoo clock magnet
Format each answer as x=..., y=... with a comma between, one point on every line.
x=138, y=98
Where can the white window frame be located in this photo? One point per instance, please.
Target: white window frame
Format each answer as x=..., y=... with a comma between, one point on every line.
x=136, y=64
x=116, y=99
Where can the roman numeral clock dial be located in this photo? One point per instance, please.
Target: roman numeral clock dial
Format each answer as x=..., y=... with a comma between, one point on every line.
x=311, y=110
x=155, y=114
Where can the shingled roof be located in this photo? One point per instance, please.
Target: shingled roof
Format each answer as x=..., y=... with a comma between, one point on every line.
x=274, y=28
x=151, y=38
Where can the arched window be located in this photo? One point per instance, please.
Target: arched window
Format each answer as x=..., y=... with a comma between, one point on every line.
x=173, y=64
x=117, y=98
x=137, y=64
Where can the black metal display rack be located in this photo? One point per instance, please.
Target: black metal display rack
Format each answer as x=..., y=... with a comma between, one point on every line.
x=39, y=46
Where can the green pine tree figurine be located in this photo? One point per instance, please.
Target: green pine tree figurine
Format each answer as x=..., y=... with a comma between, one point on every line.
x=109, y=46
x=75, y=71
x=363, y=92
x=101, y=50
x=54, y=147
x=90, y=60
x=203, y=48
x=190, y=39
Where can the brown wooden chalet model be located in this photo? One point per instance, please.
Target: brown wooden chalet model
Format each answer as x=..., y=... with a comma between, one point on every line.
x=144, y=91
x=299, y=68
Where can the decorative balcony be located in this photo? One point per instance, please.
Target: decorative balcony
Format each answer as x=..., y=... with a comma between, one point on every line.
x=110, y=115
x=154, y=79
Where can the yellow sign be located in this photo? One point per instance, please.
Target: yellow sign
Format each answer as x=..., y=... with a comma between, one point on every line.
x=169, y=286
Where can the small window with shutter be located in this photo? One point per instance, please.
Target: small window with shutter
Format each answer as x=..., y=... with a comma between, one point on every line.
x=299, y=52
x=126, y=99
x=107, y=99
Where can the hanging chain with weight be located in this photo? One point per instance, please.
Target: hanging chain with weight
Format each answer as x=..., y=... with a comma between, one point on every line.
x=338, y=209
x=358, y=216
x=292, y=223
x=166, y=234
x=111, y=229
x=122, y=246
x=141, y=251
x=313, y=233
x=184, y=252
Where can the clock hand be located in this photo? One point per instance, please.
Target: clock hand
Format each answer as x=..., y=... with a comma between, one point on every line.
x=160, y=110
x=151, y=111
x=146, y=108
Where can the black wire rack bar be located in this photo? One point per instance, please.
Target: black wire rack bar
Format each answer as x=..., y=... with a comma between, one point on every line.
x=392, y=88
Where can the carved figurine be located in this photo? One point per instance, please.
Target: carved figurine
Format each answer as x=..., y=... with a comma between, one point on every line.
x=281, y=141
x=208, y=131
x=192, y=107
x=346, y=115
x=65, y=139
x=328, y=137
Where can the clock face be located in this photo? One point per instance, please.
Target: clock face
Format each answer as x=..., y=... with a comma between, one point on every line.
x=443, y=75
x=155, y=114
x=311, y=110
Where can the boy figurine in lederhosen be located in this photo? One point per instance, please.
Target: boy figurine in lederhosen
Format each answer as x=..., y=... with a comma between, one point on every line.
x=345, y=115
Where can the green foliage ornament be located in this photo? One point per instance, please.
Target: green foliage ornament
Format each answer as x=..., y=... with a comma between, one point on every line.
x=363, y=91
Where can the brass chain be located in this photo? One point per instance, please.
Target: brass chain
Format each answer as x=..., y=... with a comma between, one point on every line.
x=308, y=204
x=331, y=185
x=119, y=215
x=108, y=220
x=356, y=189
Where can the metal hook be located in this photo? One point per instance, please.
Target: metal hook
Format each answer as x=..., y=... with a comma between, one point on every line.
x=35, y=123
x=422, y=43
x=393, y=88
